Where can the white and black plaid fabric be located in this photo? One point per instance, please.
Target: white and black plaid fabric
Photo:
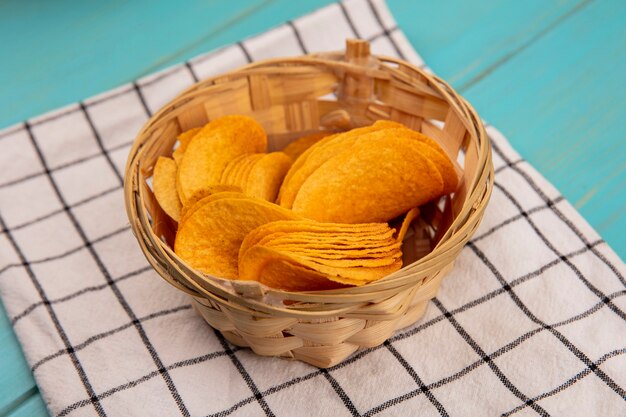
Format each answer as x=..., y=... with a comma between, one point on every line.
x=531, y=320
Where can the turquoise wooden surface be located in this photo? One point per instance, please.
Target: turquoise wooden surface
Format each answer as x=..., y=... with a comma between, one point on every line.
x=547, y=73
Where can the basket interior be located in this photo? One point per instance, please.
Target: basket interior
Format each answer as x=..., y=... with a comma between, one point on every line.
x=333, y=92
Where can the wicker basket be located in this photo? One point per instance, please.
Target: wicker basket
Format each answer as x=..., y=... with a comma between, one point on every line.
x=295, y=96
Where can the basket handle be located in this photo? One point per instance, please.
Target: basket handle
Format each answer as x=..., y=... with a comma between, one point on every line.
x=357, y=87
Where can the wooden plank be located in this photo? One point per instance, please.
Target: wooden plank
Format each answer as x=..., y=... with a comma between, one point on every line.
x=561, y=103
x=119, y=41
x=32, y=407
x=16, y=381
x=460, y=40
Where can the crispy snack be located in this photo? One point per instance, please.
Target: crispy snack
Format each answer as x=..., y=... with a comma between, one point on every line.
x=321, y=152
x=205, y=192
x=374, y=181
x=258, y=257
x=164, y=184
x=287, y=276
x=184, y=139
x=299, y=146
x=406, y=223
x=213, y=147
x=336, y=196
x=264, y=177
x=229, y=173
x=211, y=233
x=242, y=172
x=304, y=255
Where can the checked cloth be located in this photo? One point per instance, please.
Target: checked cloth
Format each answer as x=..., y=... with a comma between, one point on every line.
x=531, y=321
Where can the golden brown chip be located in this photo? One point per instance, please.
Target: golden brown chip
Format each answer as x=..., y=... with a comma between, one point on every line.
x=255, y=258
x=318, y=154
x=185, y=137
x=243, y=171
x=325, y=259
x=191, y=208
x=205, y=192
x=320, y=252
x=406, y=223
x=177, y=155
x=287, y=276
x=374, y=181
x=228, y=175
x=300, y=145
x=164, y=185
x=209, y=237
x=183, y=140
x=266, y=175
x=213, y=147
x=298, y=163
x=440, y=159
x=347, y=251
x=337, y=232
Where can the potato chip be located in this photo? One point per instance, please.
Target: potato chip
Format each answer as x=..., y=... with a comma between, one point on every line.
x=213, y=147
x=257, y=257
x=298, y=163
x=362, y=254
x=335, y=252
x=228, y=175
x=325, y=259
x=374, y=181
x=189, y=209
x=177, y=155
x=243, y=170
x=183, y=140
x=331, y=240
x=318, y=154
x=337, y=232
x=406, y=223
x=209, y=237
x=164, y=185
x=185, y=137
x=440, y=159
x=205, y=192
x=264, y=178
x=299, y=146
x=287, y=276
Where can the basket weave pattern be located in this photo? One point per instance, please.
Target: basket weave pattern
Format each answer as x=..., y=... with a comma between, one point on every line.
x=295, y=96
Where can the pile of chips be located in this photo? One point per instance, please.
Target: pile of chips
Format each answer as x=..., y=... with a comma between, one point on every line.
x=312, y=217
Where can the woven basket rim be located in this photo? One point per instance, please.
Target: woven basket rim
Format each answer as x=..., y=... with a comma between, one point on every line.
x=213, y=288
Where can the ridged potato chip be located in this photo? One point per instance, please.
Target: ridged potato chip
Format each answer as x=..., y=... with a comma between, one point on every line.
x=300, y=145
x=243, y=171
x=189, y=209
x=205, y=192
x=374, y=181
x=321, y=152
x=185, y=137
x=213, y=147
x=406, y=223
x=287, y=276
x=209, y=237
x=265, y=176
x=164, y=185
x=318, y=252
x=229, y=173
x=183, y=140
x=336, y=232
x=257, y=257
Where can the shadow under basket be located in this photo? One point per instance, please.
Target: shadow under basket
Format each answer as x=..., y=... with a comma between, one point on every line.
x=291, y=97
